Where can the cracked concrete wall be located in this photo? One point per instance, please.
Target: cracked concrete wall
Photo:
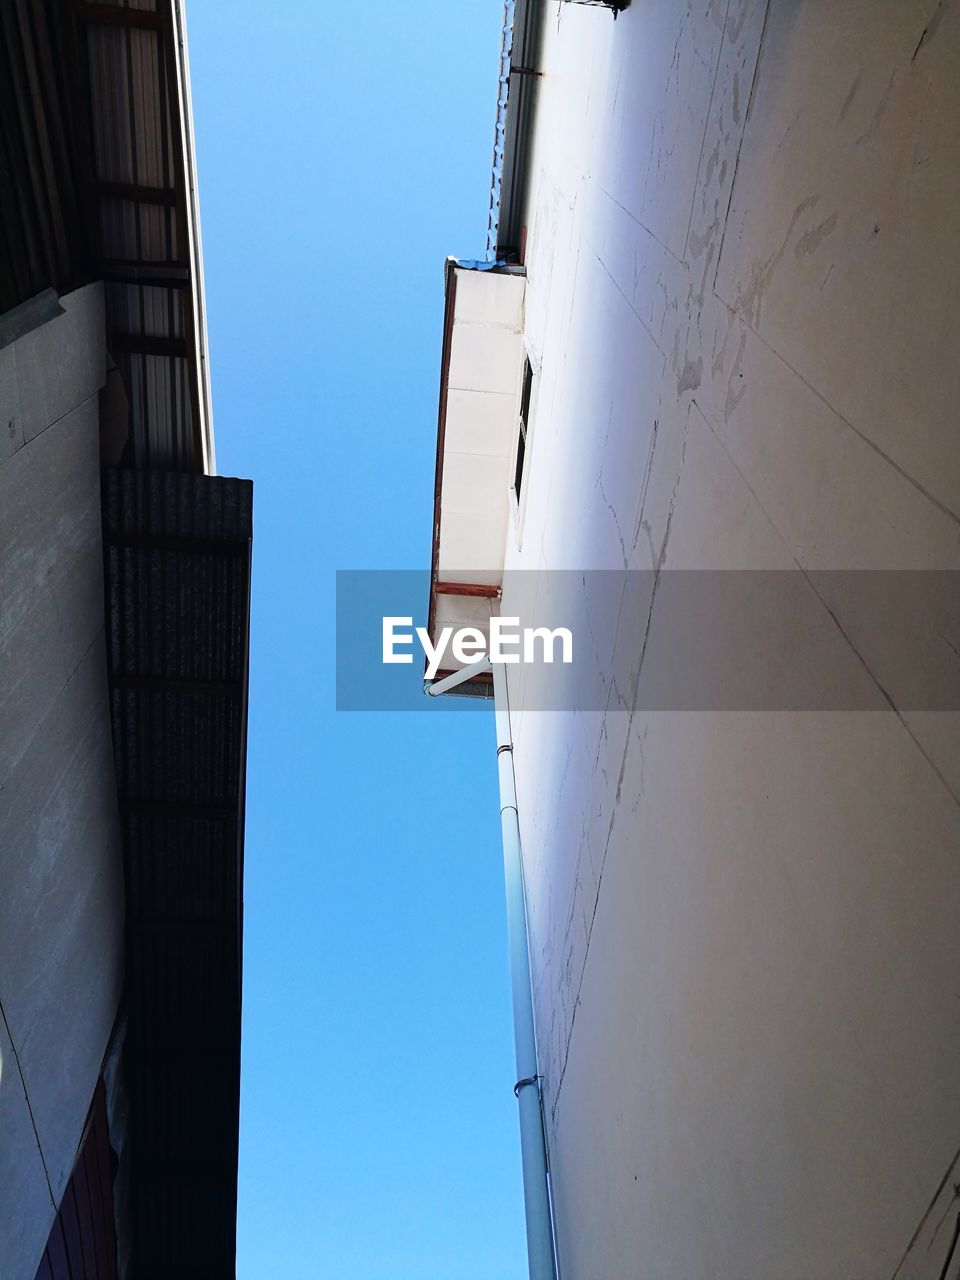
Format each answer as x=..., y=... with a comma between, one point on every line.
x=743, y=273
x=61, y=891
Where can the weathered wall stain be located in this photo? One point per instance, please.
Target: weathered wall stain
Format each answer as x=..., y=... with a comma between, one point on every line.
x=811, y=240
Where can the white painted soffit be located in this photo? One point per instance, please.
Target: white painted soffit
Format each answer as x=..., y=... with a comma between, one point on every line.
x=479, y=394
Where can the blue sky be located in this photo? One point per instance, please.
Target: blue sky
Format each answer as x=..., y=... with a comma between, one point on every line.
x=343, y=150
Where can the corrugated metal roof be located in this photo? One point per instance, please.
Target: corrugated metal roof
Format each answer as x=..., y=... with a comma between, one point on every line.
x=97, y=180
x=516, y=103
x=42, y=229
x=177, y=551
x=499, y=129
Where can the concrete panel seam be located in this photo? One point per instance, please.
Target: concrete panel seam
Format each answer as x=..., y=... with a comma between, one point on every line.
x=905, y=475
x=53, y=705
x=718, y=436
x=623, y=759
x=627, y=300
x=55, y=422
x=643, y=226
x=33, y=1123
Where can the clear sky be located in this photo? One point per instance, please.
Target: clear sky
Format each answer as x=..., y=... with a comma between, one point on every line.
x=343, y=150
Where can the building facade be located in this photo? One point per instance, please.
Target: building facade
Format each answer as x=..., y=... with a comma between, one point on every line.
x=124, y=617
x=733, y=356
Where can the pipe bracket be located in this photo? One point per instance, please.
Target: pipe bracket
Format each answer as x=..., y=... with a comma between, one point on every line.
x=522, y=1084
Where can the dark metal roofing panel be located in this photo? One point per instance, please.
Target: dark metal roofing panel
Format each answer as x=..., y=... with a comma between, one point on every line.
x=42, y=235
x=177, y=551
x=96, y=182
x=140, y=198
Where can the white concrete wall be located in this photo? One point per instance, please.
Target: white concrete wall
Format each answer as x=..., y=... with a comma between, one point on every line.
x=61, y=891
x=744, y=291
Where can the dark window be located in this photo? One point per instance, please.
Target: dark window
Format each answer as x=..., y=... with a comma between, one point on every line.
x=524, y=425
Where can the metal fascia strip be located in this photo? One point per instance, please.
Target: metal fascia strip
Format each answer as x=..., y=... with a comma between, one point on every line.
x=187, y=142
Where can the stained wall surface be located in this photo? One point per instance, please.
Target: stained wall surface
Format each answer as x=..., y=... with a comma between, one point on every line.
x=61, y=890
x=743, y=300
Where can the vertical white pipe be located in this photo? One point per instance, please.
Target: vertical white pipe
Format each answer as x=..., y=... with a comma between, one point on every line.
x=533, y=1149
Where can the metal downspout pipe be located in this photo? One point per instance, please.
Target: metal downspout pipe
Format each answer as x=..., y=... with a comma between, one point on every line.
x=541, y=1252
x=541, y=1248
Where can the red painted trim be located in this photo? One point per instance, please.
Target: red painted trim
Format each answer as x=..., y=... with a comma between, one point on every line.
x=449, y=301
x=481, y=589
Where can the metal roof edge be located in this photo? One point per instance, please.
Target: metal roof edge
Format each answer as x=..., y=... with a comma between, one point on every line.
x=188, y=143
x=449, y=300
x=516, y=103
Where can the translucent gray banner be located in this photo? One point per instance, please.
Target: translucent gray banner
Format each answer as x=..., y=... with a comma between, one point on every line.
x=677, y=640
